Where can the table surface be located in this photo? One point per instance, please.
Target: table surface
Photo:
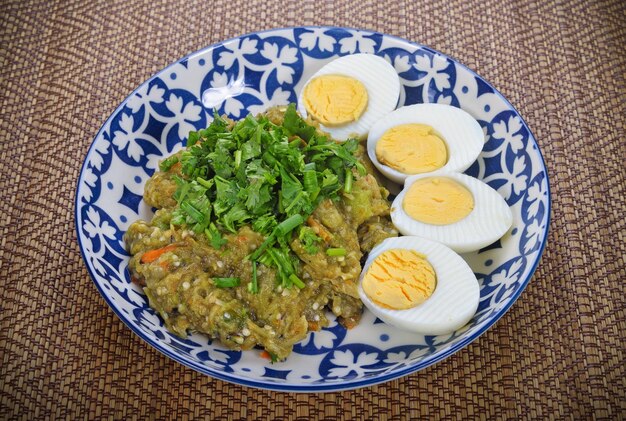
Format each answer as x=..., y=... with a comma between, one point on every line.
x=559, y=351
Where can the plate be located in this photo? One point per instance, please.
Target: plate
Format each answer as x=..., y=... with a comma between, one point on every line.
x=247, y=74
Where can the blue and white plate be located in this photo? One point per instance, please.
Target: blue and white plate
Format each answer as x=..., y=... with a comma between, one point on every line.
x=246, y=75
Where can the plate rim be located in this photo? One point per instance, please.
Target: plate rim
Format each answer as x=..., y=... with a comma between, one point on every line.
x=339, y=385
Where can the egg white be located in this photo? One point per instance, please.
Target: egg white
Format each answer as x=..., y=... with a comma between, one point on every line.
x=381, y=82
x=452, y=304
x=462, y=134
x=490, y=219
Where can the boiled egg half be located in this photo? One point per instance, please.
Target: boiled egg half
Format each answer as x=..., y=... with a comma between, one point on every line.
x=454, y=209
x=422, y=138
x=348, y=95
x=419, y=285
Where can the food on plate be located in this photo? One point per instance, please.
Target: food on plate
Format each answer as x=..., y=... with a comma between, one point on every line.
x=421, y=138
x=446, y=289
x=399, y=279
x=334, y=100
x=261, y=224
x=438, y=201
x=260, y=227
x=349, y=94
x=412, y=149
x=454, y=209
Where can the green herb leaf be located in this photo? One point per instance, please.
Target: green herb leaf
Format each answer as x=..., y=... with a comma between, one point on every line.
x=295, y=125
x=264, y=224
x=336, y=252
x=269, y=176
x=214, y=236
x=309, y=239
x=225, y=195
x=253, y=286
x=347, y=185
x=236, y=216
x=309, y=179
x=192, y=139
x=289, y=224
x=167, y=163
x=256, y=196
x=226, y=282
x=296, y=281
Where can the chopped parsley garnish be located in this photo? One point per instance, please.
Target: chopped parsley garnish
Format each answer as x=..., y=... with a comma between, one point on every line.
x=226, y=282
x=336, y=252
x=167, y=163
x=253, y=286
x=309, y=239
x=214, y=236
x=268, y=176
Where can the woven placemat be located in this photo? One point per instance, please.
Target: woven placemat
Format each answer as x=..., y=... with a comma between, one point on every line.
x=559, y=352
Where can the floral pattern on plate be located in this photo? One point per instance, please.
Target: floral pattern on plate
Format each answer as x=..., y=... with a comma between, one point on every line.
x=246, y=75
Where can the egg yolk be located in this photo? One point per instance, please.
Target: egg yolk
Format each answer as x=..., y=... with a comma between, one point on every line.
x=438, y=201
x=334, y=100
x=399, y=279
x=412, y=149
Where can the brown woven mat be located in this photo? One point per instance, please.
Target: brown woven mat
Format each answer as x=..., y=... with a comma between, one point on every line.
x=559, y=352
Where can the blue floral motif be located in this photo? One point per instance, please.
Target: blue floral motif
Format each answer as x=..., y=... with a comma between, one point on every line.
x=501, y=284
x=353, y=42
x=316, y=42
x=247, y=75
x=505, y=163
x=534, y=214
x=284, y=66
x=219, y=356
x=351, y=361
x=250, y=74
x=436, y=76
x=404, y=64
x=236, y=54
x=125, y=131
x=323, y=341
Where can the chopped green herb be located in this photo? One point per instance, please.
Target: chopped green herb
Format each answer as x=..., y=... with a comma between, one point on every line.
x=296, y=126
x=167, y=163
x=288, y=225
x=309, y=179
x=237, y=158
x=214, y=236
x=264, y=224
x=309, y=239
x=226, y=282
x=192, y=139
x=266, y=175
x=336, y=252
x=204, y=183
x=296, y=281
x=258, y=252
x=347, y=186
x=194, y=207
x=253, y=286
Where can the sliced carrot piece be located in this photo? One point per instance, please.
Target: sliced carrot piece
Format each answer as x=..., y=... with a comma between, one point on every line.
x=152, y=255
x=314, y=326
x=266, y=355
